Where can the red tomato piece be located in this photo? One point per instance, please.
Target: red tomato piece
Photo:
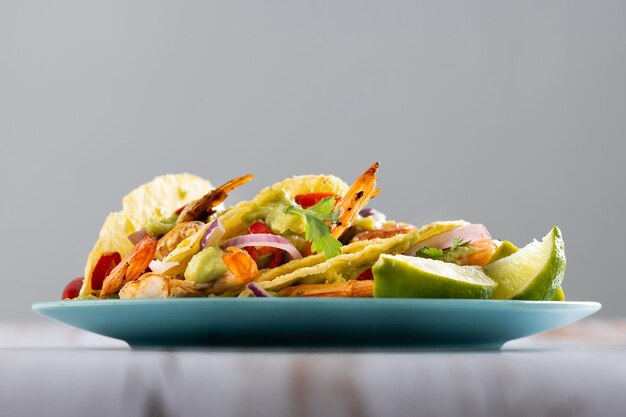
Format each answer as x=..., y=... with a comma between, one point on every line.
x=311, y=199
x=254, y=254
x=72, y=289
x=277, y=257
x=103, y=268
x=366, y=275
x=258, y=227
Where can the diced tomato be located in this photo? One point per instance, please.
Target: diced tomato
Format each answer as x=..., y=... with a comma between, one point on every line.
x=72, y=289
x=311, y=199
x=366, y=275
x=276, y=258
x=259, y=228
x=306, y=250
x=252, y=252
x=103, y=268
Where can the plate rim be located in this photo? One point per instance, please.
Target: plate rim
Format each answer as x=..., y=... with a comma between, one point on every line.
x=39, y=305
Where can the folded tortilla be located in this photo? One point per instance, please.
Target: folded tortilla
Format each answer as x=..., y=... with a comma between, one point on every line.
x=236, y=219
x=353, y=260
x=158, y=198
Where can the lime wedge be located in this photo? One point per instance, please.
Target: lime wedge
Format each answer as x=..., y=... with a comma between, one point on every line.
x=400, y=276
x=507, y=249
x=559, y=295
x=504, y=250
x=535, y=272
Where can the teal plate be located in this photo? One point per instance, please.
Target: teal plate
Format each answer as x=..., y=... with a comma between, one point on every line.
x=316, y=322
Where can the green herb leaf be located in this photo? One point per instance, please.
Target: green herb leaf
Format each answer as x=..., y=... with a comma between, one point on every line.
x=429, y=252
x=458, y=242
x=318, y=233
x=316, y=230
x=325, y=210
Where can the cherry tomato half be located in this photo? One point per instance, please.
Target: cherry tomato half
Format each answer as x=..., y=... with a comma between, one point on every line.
x=366, y=275
x=258, y=227
x=104, y=266
x=311, y=199
x=72, y=289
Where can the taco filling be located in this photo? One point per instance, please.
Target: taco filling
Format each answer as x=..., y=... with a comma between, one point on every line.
x=306, y=236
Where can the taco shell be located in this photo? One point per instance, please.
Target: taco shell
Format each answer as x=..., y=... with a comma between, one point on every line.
x=183, y=253
x=354, y=259
x=158, y=198
x=234, y=219
x=304, y=184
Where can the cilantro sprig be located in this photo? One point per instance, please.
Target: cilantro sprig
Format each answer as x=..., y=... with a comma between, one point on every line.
x=317, y=231
x=430, y=252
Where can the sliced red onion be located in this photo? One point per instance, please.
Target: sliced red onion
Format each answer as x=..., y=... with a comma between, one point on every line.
x=257, y=290
x=470, y=233
x=213, y=234
x=261, y=239
x=159, y=267
x=366, y=212
x=137, y=236
x=375, y=214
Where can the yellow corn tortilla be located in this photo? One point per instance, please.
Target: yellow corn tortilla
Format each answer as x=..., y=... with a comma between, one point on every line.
x=233, y=218
x=354, y=259
x=304, y=184
x=183, y=253
x=157, y=198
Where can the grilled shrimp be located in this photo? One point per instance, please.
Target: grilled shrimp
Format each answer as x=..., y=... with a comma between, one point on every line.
x=131, y=267
x=242, y=269
x=384, y=232
x=153, y=285
x=203, y=207
x=172, y=238
x=351, y=289
x=486, y=249
x=357, y=197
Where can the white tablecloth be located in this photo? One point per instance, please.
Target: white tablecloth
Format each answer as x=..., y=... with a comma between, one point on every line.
x=48, y=369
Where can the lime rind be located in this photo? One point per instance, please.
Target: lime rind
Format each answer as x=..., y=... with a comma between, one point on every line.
x=559, y=295
x=505, y=249
x=535, y=272
x=400, y=276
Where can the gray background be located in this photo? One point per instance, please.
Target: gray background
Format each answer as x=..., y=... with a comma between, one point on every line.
x=506, y=113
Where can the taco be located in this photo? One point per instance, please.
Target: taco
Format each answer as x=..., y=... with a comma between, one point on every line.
x=153, y=202
x=311, y=235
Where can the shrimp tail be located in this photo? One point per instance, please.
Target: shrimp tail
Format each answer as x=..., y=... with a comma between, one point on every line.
x=201, y=208
x=131, y=267
x=356, y=198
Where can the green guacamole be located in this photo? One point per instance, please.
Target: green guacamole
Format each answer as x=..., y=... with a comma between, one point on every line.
x=271, y=209
x=206, y=266
x=160, y=226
